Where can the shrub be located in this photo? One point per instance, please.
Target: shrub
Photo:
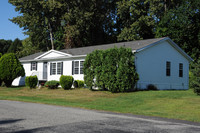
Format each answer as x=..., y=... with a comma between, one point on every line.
x=112, y=69
x=66, y=82
x=31, y=81
x=10, y=68
x=53, y=84
x=195, y=80
x=78, y=83
x=151, y=87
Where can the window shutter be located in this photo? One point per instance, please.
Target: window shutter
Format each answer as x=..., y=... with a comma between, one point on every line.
x=50, y=68
x=36, y=66
x=31, y=66
x=72, y=67
x=61, y=68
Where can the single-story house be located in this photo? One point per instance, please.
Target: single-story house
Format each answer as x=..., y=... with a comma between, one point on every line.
x=158, y=61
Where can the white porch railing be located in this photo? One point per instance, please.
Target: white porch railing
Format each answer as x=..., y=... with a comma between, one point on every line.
x=39, y=75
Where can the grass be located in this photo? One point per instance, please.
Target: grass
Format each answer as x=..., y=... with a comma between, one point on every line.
x=183, y=105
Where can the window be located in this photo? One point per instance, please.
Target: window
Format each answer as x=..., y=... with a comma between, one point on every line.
x=168, y=68
x=81, y=67
x=33, y=66
x=53, y=69
x=59, y=66
x=180, y=69
x=77, y=67
x=56, y=68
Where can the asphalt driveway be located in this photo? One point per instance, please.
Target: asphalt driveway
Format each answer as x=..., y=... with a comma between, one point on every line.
x=38, y=118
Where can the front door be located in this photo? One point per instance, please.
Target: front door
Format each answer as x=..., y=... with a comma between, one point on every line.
x=45, y=70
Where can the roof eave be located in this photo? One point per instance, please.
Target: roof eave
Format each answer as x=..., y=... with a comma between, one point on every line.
x=52, y=59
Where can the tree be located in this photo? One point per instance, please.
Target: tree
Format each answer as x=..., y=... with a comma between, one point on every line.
x=83, y=22
x=4, y=45
x=182, y=25
x=27, y=48
x=10, y=68
x=15, y=46
x=40, y=19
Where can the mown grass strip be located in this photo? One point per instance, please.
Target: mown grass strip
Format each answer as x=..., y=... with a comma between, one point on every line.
x=182, y=105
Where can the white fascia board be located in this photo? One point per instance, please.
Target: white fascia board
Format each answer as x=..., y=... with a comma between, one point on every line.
x=52, y=51
x=56, y=58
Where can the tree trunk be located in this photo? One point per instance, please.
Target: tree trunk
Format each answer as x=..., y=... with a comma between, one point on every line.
x=51, y=36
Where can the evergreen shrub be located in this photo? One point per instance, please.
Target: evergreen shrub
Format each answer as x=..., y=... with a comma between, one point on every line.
x=10, y=68
x=78, y=83
x=53, y=84
x=111, y=69
x=31, y=81
x=66, y=82
x=195, y=80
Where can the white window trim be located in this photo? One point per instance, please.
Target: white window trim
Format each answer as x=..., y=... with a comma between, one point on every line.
x=33, y=66
x=79, y=67
x=56, y=68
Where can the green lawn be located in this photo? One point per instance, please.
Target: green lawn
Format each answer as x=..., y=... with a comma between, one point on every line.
x=184, y=105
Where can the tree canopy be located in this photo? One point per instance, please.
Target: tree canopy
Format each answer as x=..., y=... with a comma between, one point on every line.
x=58, y=24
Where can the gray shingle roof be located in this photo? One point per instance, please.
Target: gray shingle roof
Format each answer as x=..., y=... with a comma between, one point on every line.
x=31, y=57
x=134, y=45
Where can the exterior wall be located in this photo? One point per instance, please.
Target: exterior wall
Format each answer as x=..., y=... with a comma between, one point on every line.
x=27, y=67
x=151, y=67
x=67, y=70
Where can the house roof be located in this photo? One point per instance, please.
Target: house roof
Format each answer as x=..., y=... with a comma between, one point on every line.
x=31, y=57
x=137, y=45
x=134, y=45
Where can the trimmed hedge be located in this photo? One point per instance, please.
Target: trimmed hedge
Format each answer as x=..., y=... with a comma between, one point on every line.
x=111, y=69
x=78, y=83
x=66, y=82
x=53, y=84
x=10, y=68
x=31, y=81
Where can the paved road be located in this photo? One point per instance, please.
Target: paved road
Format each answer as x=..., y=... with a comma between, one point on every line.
x=20, y=117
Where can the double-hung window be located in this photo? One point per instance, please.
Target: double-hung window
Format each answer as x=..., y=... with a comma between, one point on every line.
x=33, y=66
x=56, y=68
x=180, y=69
x=81, y=67
x=168, y=68
x=77, y=67
x=59, y=68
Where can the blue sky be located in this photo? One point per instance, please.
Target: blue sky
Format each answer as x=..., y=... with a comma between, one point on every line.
x=9, y=30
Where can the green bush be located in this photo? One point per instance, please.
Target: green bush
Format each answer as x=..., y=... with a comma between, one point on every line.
x=10, y=68
x=53, y=84
x=78, y=83
x=112, y=70
x=31, y=81
x=195, y=78
x=66, y=81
